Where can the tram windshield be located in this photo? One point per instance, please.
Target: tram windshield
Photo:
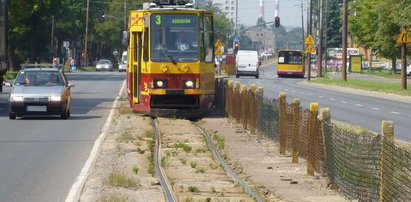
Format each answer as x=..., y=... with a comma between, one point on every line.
x=174, y=37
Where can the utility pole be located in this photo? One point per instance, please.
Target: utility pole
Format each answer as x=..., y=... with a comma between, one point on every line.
x=326, y=36
x=344, y=42
x=302, y=24
x=310, y=32
x=125, y=14
x=86, y=37
x=236, y=17
x=320, y=49
x=3, y=41
x=52, y=38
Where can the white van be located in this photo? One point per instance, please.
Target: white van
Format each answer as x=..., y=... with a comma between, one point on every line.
x=247, y=63
x=122, y=67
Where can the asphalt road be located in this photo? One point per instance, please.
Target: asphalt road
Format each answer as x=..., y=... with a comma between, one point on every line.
x=355, y=109
x=41, y=157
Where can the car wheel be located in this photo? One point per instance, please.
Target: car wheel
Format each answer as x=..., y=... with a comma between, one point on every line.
x=237, y=76
x=12, y=115
x=257, y=76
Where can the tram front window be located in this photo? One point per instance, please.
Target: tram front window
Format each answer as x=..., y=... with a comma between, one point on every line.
x=174, y=37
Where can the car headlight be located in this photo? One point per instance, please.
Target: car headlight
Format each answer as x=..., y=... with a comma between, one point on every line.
x=55, y=98
x=16, y=98
x=189, y=84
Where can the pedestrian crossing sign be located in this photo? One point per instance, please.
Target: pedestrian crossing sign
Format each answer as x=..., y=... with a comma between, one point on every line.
x=218, y=43
x=219, y=50
x=403, y=37
x=310, y=49
x=309, y=40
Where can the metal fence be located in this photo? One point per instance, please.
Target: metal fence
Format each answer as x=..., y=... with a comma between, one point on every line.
x=362, y=166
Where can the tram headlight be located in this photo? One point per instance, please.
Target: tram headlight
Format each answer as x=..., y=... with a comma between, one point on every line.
x=160, y=83
x=190, y=84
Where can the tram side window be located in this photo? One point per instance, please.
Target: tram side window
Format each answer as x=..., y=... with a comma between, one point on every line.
x=209, y=40
x=294, y=58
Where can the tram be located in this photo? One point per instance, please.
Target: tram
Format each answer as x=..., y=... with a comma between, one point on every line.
x=290, y=63
x=170, y=68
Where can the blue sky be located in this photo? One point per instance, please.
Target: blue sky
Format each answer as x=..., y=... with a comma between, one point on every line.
x=290, y=15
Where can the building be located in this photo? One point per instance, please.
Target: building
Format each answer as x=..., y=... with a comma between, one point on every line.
x=263, y=40
x=228, y=7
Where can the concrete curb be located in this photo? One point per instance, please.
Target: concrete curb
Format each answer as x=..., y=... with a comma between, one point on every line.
x=77, y=187
x=382, y=95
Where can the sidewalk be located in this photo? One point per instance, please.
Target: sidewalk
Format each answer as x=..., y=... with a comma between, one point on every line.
x=337, y=75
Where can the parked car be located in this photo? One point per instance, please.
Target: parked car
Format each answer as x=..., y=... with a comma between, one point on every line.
x=40, y=90
x=122, y=67
x=104, y=64
x=247, y=63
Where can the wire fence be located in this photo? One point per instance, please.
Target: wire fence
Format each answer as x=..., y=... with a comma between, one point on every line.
x=361, y=165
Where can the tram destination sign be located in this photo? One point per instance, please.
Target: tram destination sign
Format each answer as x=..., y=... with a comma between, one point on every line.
x=185, y=20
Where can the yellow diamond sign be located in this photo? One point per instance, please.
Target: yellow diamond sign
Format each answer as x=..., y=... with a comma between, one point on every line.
x=219, y=51
x=310, y=49
x=403, y=37
x=218, y=43
x=309, y=40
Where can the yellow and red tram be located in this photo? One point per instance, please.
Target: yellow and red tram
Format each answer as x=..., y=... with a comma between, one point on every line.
x=170, y=68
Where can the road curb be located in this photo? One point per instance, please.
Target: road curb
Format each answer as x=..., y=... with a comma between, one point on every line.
x=382, y=95
x=77, y=187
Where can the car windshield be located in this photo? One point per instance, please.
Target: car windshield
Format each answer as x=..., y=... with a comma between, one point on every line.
x=174, y=38
x=103, y=62
x=39, y=78
x=124, y=59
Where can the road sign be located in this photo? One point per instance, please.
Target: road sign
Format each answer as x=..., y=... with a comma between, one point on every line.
x=219, y=50
x=236, y=38
x=403, y=37
x=218, y=43
x=309, y=40
x=310, y=49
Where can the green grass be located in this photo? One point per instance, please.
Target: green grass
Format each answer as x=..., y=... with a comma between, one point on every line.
x=125, y=137
x=184, y=146
x=87, y=68
x=114, y=198
x=193, y=164
x=121, y=180
x=394, y=88
x=193, y=189
x=385, y=74
x=140, y=151
x=135, y=170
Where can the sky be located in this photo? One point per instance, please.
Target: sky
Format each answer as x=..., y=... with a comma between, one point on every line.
x=290, y=12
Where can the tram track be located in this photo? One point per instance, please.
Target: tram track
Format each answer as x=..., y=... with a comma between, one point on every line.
x=165, y=185
x=206, y=177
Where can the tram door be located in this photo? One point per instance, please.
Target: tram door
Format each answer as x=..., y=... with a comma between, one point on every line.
x=137, y=46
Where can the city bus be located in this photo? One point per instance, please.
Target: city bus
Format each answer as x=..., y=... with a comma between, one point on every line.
x=290, y=63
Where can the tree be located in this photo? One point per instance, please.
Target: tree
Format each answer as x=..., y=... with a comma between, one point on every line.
x=334, y=24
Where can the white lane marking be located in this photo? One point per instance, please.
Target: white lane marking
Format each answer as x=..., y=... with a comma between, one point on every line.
x=392, y=112
x=376, y=108
x=77, y=187
x=320, y=96
x=302, y=93
x=293, y=91
x=332, y=99
x=359, y=105
x=286, y=89
x=344, y=102
x=311, y=94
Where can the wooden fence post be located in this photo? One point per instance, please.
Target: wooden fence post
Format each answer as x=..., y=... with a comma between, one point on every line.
x=260, y=92
x=243, y=105
x=296, y=129
x=312, y=138
x=237, y=101
x=283, y=121
x=386, y=175
x=230, y=98
x=253, y=89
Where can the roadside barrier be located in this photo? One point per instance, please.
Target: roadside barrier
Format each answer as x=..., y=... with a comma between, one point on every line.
x=363, y=166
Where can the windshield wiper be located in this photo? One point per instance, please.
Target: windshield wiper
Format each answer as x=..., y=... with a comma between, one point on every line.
x=172, y=59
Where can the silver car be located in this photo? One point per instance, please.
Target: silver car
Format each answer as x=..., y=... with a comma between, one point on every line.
x=104, y=64
x=40, y=91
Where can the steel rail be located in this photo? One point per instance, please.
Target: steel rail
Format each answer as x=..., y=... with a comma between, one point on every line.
x=168, y=193
x=225, y=165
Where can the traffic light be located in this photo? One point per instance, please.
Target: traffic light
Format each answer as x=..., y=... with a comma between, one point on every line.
x=100, y=16
x=277, y=21
x=236, y=47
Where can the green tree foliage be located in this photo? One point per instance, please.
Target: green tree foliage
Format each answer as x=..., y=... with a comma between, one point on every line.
x=377, y=24
x=287, y=39
x=334, y=24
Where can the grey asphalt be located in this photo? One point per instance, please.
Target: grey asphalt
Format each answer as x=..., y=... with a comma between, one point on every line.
x=40, y=157
x=360, y=110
